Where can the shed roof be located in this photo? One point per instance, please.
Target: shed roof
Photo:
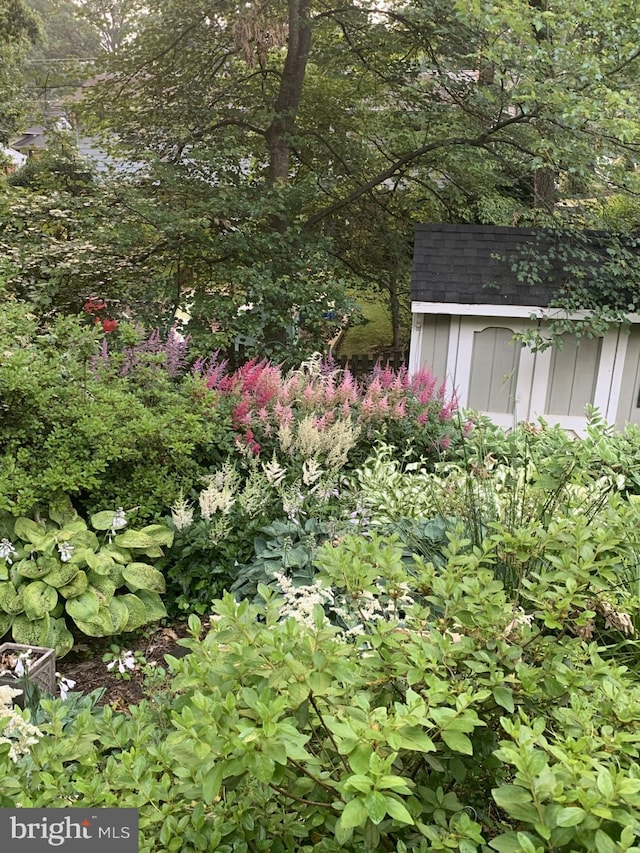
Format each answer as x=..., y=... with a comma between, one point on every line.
x=473, y=264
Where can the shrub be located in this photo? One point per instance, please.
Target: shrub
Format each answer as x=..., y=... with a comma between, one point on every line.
x=317, y=412
x=452, y=724
x=105, y=439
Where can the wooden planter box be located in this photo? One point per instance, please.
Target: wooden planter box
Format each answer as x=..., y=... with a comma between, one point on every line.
x=41, y=669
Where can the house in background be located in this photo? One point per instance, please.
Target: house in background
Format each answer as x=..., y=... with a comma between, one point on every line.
x=11, y=160
x=467, y=305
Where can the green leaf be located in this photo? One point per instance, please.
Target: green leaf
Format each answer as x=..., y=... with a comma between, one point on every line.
x=28, y=530
x=76, y=587
x=103, y=520
x=31, y=632
x=570, y=816
x=376, y=806
x=212, y=783
x=5, y=623
x=413, y=739
x=35, y=569
x=160, y=534
x=605, y=785
x=504, y=698
x=134, y=539
x=103, y=586
x=61, y=510
x=119, y=614
x=154, y=608
x=359, y=758
x=62, y=575
x=604, y=843
x=38, y=599
x=102, y=562
x=457, y=741
x=355, y=814
x=516, y=802
x=60, y=638
x=359, y=782
x=100, y=625
x=83, y=607
x=142, y=576
x=137, y=612
x=398, y=811
x=507, y=843
x=10, y=598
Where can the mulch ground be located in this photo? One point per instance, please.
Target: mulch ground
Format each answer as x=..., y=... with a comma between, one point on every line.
x=85, y=665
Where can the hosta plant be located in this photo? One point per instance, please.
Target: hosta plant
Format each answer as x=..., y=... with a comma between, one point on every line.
x=56, y=573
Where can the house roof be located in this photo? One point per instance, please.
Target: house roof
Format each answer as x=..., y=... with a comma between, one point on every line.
x=473, y=264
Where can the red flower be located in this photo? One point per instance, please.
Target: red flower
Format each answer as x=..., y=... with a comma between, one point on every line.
x=93, y=304
x=109, y=325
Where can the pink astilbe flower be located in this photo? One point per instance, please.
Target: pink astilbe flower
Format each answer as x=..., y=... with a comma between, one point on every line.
x=400, y=409
x=283, y=414
x=423, y=385
x=347, y=391
x=241, y=414
x=447, y=410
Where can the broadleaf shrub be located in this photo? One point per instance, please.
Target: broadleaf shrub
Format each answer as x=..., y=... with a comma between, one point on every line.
x=452, y=723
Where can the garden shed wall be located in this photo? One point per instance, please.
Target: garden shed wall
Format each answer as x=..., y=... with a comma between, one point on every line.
x=468, y=304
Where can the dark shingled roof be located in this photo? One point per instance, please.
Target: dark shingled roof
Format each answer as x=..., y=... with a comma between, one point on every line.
x=472, y=264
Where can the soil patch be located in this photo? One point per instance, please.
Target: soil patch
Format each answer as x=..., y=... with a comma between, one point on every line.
x=85, y=665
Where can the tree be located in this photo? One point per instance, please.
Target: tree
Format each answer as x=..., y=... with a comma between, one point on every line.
x=18, y=30
x=283, y=142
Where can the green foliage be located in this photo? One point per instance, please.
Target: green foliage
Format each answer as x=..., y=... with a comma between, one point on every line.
x=57, y=573
x=69, y=425
x=452, y=725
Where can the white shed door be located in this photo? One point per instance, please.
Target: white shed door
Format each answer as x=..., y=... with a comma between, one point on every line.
x=492, y=371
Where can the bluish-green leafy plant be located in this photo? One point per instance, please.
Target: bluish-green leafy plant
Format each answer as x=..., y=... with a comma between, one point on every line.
x=56, y=572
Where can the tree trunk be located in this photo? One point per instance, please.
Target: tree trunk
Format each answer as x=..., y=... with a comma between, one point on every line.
x=544, y=188
x=290, y=92
x=394, y=306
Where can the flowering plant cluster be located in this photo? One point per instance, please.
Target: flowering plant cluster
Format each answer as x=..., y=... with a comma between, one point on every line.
x=320, y=412
x=96, y=307
x=15, y=728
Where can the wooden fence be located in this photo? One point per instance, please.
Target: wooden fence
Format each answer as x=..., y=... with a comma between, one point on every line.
x=364, y=363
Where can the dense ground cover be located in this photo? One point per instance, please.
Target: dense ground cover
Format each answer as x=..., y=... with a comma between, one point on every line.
x=418, y=633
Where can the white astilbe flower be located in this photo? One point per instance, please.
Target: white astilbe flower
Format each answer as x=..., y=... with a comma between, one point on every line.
x=311, y=472
x=66, y=551
x=182, y=514
x=273, y=471
x=220, y=494
x=14, y=729
x=299, y=601
x=7, y=551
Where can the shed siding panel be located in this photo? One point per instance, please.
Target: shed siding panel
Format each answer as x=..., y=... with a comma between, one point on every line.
x=434, y=345
x=628, y=409
x=494, y=370
x=572, y=376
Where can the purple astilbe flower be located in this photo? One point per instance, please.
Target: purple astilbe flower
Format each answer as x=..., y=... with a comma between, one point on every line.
x=175, y=349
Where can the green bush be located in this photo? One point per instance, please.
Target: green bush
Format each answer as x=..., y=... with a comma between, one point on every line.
x=451, y=723
x=70, y=424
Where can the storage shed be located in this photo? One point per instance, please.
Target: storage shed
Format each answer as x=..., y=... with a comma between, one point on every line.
x=467, y=305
